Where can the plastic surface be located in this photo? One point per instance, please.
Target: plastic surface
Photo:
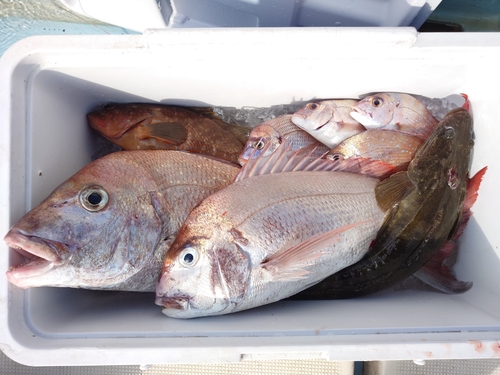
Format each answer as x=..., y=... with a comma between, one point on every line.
x=48, y=84
x=140, y=15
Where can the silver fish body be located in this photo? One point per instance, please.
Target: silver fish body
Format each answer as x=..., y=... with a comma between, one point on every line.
x=272, y=133
x=329, y=121
x=253, y=242
x=395, y=111
x=110, y=225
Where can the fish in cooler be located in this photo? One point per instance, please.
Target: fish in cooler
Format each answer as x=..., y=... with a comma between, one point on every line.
x=268, y=236
x=143, y=126
x=110, y=225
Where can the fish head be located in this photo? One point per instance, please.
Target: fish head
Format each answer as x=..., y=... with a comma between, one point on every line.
x=113, y=119
x=313, y=116
x=90, y=232
x=375, y=111
x=443, y=153
x=202, y=276
x=263, y=138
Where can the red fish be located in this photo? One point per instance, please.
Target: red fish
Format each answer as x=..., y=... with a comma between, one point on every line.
x=144, y=126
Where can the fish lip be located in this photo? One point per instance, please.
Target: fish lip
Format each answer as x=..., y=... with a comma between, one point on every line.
x=103, y=124
x=42, y=254
x=174, y=302
x=361, y=112
x=298, y=118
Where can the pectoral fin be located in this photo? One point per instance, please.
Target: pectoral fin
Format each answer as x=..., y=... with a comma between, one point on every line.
x=291, y=264
x=390, y=191
x=168, y=132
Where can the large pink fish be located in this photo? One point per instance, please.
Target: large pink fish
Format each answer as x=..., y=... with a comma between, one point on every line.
x=110, y=225
x=266, y=237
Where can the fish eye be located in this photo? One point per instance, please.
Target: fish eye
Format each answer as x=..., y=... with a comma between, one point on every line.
x=188, y=257
x=312, y=105
x=259, y=145
x=377, y=102
x=335, y=157
x=93, y=198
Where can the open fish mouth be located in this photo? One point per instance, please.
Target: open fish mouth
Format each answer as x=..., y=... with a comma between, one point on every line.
x=42, y=255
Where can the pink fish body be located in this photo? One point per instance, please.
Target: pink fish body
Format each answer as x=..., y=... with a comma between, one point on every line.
x=266, y=237
x=395, y=111
x=109, y=226
x=329, y=121
x=273, y=133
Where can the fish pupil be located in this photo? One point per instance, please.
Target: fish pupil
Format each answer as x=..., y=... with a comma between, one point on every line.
x=94, y=198
x=314, y=106
x=259, y=145
x=377, y=102
x=188, y=258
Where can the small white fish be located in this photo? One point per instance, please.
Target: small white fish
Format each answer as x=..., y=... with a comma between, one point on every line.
x=395, y=111
x=329, y=121
x=267, y=237
x=272, y=133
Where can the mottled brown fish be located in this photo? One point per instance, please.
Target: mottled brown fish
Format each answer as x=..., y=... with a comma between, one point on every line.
x=142, y=126
x=272, y=133
x=110, y=225
x=425, y=209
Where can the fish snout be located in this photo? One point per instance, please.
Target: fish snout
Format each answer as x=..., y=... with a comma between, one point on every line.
x=175, y=302
x=42, y=256
x=32, y=247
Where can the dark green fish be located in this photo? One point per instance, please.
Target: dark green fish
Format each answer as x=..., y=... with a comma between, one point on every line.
x=425, y=206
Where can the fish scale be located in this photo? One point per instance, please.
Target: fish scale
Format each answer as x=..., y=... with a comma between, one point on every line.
x=256, y=219
x=120, y=246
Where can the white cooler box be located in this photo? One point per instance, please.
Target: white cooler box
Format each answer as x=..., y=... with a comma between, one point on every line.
x=49, y=83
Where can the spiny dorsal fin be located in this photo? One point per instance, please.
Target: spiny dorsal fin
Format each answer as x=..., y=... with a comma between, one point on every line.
x=169, y=132
x=390, y=191
x=284, y=159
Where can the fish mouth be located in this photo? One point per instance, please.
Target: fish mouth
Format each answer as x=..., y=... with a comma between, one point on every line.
x=364, y=118
x=103, y=125
x=175, y=302
x=301, y=122
x=42, y=255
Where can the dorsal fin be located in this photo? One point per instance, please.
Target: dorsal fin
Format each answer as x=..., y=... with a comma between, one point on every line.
x=283, y=159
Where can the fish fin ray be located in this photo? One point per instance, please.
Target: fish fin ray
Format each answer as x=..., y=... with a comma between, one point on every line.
x=473, y=188
x=168, y=132
x=437, y=274
x=289, y=264
x=366, y=166
x=283, y=159
x=391, y=190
